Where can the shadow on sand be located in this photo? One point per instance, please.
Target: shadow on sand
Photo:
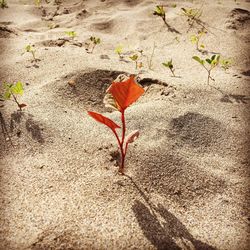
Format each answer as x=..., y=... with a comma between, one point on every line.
x=162, y=228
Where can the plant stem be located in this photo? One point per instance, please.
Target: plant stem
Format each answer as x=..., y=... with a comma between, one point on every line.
x=149, y=61
x=123, y=153
x=16, y=101
x=172, y=71
x=93, y=48
x=33, y=54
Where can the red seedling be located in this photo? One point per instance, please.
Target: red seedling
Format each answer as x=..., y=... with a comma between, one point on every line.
x=120, y=95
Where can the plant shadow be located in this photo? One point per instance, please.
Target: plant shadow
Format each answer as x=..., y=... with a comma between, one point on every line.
x=16, y=120
x=4, y=129
x=162, y=228
x=230, y=98
x=172, y=29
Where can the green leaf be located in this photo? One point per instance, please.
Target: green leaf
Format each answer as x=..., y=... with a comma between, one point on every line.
x=134, y=57
x=213, y=57
x=118, y=49
x=159, y=11
x=208, y=61
x=194, y=39
x=196, y=58
x=17, y=88
x=7, y=94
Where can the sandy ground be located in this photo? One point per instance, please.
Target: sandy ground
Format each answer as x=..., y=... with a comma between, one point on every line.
x=186, y=183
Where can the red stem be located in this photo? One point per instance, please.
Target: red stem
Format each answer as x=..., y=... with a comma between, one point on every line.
x=123, y=152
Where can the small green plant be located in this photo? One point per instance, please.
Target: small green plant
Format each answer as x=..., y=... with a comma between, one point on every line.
x=193, y=16
x=195, y=39
x=226, y=63
x=120, y=95
x=170, y=65
x=93, y=41
x=119, y=51
x=159, y=11
x=191, y=13
x=30, y=49
x=71, y=34
x=3, y=4
x=208, y=64
x=135, y=58
x=12, y=90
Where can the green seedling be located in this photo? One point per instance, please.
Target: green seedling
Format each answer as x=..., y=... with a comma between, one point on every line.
x=3, y=4
x=135, y=58
x=195, y=39
x=211, y=64
x=170, y=65
x=12, y=90
x=191, y=13
x=93, y=41
x=30, y=49
x=71, y=34
x=226, y=63
x=159, y=11
x=119, y=51
x=193, y=16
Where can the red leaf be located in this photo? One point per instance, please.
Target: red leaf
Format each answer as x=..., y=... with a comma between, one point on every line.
x=102, y=119
x=125, y=93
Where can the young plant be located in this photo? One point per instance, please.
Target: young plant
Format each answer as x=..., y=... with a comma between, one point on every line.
x=30, y=49
x=3, y=4
x=226, y=63
x=93, y=41
x=135, y=58
x=120, y=95
x=169, y=65
x=71, y=34
x=159, y=11
x=212, y=63
x=12, y=90
x=119, y=51
x=195, y=39
x=191, y=14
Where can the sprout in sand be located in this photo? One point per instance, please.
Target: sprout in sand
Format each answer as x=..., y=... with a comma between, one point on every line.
x=120, y=95
x=134, y=58
x=93, y=41
x=226, y=63
x=30, y=49
x=3, y=4
x=119, y=51
x=169, y=64
x=12, y=90
x=71, y=34
x=211, y=64
x=159, y=11
x=195, y=39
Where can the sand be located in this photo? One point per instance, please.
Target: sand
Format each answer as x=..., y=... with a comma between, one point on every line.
x=186, y=182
